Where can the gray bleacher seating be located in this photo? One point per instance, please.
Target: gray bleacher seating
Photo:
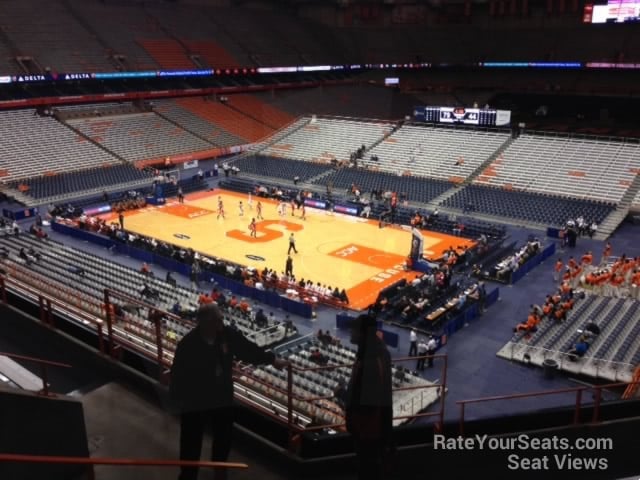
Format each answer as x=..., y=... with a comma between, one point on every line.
x=140, y=136
x=31, y=145
x=528, y=206
x=443, y=153
x=196, y=124
x=46, y=31
x=594, y=169
x=327, y=139
x=311, y=384
x=612, y=355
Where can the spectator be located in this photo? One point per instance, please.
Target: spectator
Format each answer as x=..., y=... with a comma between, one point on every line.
x=579, y=349
x=177, y=308
x=261, y=319
x=432, y=346
x=202, y=386
x=422, y=351
x=340, y=393
x=369, y=410
x=413, y=343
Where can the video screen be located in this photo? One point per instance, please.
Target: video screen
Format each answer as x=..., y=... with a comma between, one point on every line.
x=613, y=11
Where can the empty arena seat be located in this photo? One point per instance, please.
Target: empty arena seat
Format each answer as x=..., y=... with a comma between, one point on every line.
x=592, y=169
x=417, y=189
x=533, y=207
x=612, y=353
x=94, y=180
x=140, y=136
x=196, y=124
x=32, y=145
x=168, y=53
x=262, y=111
x=227, y=118
x=436, y=152
x=280, y=167
x=327, y=139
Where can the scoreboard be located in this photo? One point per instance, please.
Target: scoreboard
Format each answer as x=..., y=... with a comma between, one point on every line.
x=462, y=115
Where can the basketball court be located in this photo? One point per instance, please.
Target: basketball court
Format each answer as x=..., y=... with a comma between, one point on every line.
x=333, y=249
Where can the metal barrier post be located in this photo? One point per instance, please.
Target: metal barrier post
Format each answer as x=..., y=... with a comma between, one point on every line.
x=576, y=415
x=157, y=320
x=49, y=312
x=107, y=316
x=290, y=405
x=596, y=405
x=45, y=379
x=41, y=306
x=3, y=289
x=443, y=390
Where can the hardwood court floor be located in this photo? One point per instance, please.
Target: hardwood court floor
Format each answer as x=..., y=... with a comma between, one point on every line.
x=333, y=249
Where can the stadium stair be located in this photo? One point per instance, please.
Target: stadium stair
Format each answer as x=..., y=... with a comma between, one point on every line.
x=78, y=18
x=615, y=218
x=223, y=28
x=187, y=51
x=6, y=40
x=378, y=141
x=452, y=191
x=183, y=127
x=255, y=119
x=318, y=178
x=292, y=128
x=488, y=161
x=89, y=139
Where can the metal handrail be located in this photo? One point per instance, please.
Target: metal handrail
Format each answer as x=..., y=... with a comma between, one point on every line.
x=548, y=351
x=35, y=359
x=11, y=457
x=597, y=389
x=43, y=369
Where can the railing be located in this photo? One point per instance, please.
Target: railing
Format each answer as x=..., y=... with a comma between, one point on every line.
x=119, y=462
x=159, y=350
x=454, y=126
x=388, y=122
x=581, y=136
x=297, y=411
x=43, y=369
x=46, y=294
x=565, y=356
x=285, y=409
x=578, y=391
x=631, y=390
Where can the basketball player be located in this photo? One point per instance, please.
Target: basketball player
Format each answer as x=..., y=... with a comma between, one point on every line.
x=259, y=210
x=220, y=209
x=253, y=228
x=303, y=212
x=250, y=201
x=240, y=209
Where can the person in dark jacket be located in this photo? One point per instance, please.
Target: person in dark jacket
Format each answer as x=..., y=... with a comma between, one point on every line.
x=369, y=410
x=202, y=387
